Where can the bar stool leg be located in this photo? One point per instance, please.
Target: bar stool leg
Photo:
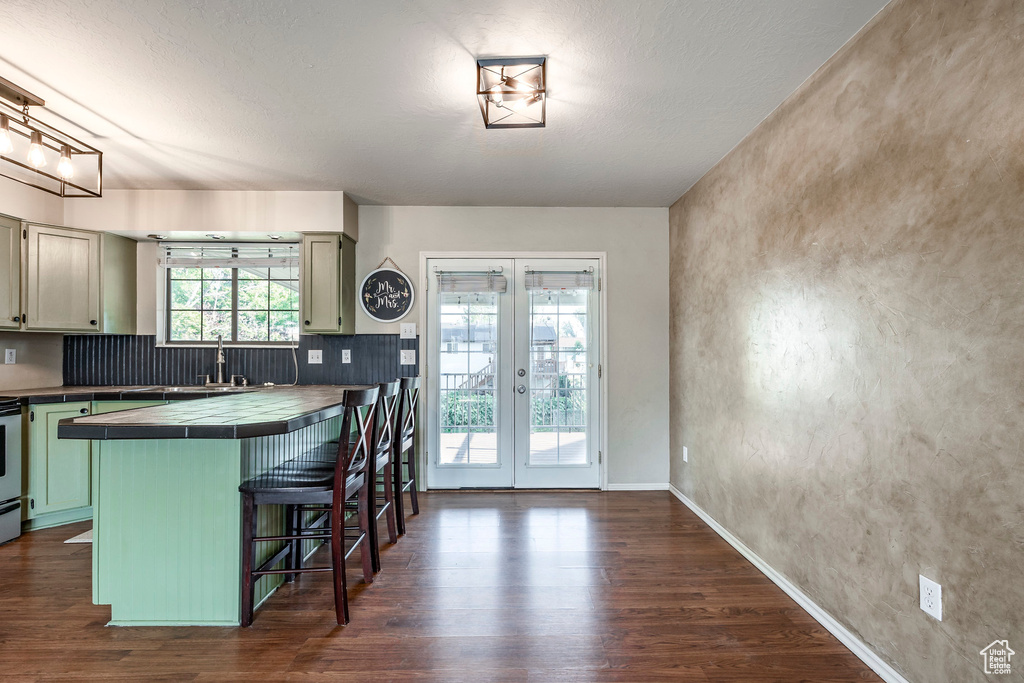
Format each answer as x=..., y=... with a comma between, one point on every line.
x=389, y=501
x=397, y=494
x=338, y=564
x=412, y=478
x=365, y=516
x=248, y=533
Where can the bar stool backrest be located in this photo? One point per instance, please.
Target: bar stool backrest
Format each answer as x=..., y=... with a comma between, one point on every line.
x=405, y=415
x=387, y=397
x=354, y=455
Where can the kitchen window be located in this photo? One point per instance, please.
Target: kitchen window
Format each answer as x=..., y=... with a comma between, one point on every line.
x=248, y=293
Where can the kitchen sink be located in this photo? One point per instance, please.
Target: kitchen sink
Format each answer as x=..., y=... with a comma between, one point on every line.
x=194, y=389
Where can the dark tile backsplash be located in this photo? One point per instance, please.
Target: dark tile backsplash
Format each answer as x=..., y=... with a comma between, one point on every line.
x=120, y=359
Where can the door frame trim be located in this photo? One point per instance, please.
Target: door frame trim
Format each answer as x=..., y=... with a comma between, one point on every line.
x=600, y=256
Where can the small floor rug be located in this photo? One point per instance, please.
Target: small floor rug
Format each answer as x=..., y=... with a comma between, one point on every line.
x=84, y=537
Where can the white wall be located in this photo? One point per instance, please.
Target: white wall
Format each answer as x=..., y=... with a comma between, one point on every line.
x=30, y=204
x=227, y=211
x=636, y=284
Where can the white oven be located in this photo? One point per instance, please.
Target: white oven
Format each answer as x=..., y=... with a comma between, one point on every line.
x=10, y=470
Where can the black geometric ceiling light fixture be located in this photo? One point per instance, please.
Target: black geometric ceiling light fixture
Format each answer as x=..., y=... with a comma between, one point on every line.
x=39, y=155
x=512, y=91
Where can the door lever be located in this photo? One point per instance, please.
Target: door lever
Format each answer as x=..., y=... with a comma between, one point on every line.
x=521, y=388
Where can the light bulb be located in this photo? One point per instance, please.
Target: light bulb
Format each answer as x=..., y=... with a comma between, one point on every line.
x=525, y=102
x=64, y=168
x=6, y=146
x=35, y=152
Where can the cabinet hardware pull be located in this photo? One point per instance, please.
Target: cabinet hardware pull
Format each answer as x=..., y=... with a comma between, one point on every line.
x=307, y=322
x=22, y=317
x=84, y=411
x=92, y=322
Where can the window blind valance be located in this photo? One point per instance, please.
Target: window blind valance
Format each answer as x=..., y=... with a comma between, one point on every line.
x=484, y=281
x=231, y=256
x=537, y=279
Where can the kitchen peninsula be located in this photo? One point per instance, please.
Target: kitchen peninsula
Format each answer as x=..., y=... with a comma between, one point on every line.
x=166, y=527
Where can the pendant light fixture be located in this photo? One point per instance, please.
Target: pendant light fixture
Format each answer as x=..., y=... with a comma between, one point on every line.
x=512, y=91
x=27, y=145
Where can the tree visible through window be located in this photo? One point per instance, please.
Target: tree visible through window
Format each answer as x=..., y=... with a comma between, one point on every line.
x=228, y=291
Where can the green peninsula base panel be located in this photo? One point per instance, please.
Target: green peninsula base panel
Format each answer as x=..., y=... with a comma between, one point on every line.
x=167, y=524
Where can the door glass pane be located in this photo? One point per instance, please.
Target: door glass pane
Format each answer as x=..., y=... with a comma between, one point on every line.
x=559, y=359
x=468, y=338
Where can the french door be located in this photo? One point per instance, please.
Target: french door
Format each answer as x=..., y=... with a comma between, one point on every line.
x=512, y=373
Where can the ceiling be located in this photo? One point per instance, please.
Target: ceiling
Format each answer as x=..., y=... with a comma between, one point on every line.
x=377, y=97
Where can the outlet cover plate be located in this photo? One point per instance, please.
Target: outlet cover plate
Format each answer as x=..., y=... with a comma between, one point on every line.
x=316, y=357
x=408, y=357
x=931, y=597
x=346, y=355
x=408, y=331
x=11, y=357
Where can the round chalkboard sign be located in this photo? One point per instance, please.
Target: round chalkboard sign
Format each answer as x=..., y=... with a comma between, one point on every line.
x=386, y=295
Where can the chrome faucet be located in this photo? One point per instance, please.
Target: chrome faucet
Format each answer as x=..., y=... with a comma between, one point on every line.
x=220, y=359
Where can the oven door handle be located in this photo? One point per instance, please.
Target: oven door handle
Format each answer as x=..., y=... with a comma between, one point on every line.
x=10, y=508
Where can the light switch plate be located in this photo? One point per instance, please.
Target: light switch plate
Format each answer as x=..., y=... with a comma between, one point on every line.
x=11, y=357
x=686, y=455
x=346, y=355
x=408, y=357
x=408, y=331
x=316, y=357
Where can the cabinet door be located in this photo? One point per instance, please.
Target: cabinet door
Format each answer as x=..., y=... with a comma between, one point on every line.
x=10, y=278
x=321, y=266
x=58, y=476
x=63, y=279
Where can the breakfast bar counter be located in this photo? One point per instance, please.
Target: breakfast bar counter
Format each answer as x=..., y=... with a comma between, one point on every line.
x=167, y=516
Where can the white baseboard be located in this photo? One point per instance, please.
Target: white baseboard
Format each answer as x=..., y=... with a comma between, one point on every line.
x=856, y=645
x=637, y=487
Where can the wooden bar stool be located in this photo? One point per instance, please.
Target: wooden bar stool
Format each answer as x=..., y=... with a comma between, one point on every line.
x=404, y=448
x=310, y=484
x=382, y=476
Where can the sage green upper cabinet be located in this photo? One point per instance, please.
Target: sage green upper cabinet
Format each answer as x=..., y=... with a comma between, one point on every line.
x=79, y=281
x=328, y=294
x=58, y=469
x=10, y=278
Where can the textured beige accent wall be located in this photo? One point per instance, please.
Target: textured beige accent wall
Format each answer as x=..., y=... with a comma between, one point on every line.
x=847, y=335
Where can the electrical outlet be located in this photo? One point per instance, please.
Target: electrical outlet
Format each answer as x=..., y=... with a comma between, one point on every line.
x=11, y=357
x=408, y=331
x=316, y=357
x=686, y=456
x=346, y=355
x=931, y=597
x=408, y=357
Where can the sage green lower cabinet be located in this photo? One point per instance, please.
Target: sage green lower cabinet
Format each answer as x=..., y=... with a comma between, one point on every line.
x=59, y=488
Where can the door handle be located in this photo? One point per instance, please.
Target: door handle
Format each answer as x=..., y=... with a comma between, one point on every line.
x=521, y=388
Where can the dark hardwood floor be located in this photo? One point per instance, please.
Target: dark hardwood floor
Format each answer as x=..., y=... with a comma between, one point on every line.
x=526, y=586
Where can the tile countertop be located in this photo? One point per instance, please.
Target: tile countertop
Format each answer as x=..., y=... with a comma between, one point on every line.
x=239, y=415
x=114, y=393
